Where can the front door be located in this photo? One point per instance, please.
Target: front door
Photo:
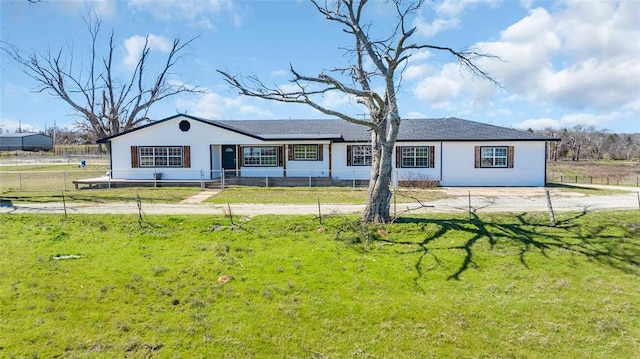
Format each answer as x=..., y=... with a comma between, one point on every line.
x=229, y=159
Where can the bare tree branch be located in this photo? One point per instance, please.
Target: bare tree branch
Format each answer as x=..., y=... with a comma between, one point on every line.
x=105, y=104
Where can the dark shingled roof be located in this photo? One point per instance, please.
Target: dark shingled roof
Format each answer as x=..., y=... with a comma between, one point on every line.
x=441, y=129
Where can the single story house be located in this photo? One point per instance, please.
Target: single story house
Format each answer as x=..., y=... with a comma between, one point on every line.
x=450, y=151
x=25, y=141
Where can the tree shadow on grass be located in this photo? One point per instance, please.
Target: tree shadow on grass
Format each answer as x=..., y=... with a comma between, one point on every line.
x=597, y=242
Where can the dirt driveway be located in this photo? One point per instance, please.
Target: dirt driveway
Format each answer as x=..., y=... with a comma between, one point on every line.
x=459, y=200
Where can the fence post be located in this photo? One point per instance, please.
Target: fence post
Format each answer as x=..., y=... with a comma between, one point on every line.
x=20, y=180
x=64, y=180
x=201, y=180
x=266, y=180
x=552, y=216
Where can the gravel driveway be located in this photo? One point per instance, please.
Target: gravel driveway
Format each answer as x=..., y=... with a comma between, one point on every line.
x=457, y=201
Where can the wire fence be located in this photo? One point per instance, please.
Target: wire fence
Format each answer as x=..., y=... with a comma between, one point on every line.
x=39, y=180
x=54, y=180
x=37, y=159
x=34, y=181
x=601, y=180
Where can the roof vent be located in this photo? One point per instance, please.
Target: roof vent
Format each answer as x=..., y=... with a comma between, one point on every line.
x=184, y=125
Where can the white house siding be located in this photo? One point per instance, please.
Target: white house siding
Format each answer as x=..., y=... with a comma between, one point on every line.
x=458, y=165
x=200, y=136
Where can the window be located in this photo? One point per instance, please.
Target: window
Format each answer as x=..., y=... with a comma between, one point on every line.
x=416, y=157
x=359, y=155
x=161, y=156
x=260, y=156
x=494, y=157
x=305, y=152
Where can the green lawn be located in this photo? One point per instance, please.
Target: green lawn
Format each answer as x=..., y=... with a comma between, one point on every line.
x=126, y=194
x=498, y=286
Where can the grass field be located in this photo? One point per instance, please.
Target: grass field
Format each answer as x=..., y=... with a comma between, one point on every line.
x=599, y=172
x=499, y=286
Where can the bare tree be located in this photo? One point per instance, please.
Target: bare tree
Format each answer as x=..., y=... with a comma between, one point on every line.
x=389, y=55
x=106, y=105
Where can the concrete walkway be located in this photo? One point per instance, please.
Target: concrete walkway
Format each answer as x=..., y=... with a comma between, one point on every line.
x=200, y=197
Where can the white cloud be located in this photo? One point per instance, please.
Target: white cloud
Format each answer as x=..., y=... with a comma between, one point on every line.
x=11, y=126
x=441, y=90
x=456, y=7
x=588, y=119
x=598, y=83
x=335, y=100
x=525, y=49
x=571, y=120
x=420, y=55
x=198, y=13
x=214, y=106
x=452, y=88
x=449, y=12
x=135, y=44
x=577, y=54
x=415, y=114
x=427, y=29
x=538, y=124
x=416, y=71
x=103, y=8
x=279, y=73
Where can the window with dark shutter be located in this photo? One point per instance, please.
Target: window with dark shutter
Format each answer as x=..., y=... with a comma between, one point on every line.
x=359, y=155
x=416, y=157
x=494, y=156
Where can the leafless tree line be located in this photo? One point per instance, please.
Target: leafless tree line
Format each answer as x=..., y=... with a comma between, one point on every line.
x=588, y=143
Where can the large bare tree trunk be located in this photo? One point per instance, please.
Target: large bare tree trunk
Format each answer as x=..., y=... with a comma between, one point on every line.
x=378, y=203
x=359, y=80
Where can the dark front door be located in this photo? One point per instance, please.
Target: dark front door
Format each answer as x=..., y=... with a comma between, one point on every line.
x=229, y=159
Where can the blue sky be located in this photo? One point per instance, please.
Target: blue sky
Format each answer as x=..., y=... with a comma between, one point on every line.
x=563, y=63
